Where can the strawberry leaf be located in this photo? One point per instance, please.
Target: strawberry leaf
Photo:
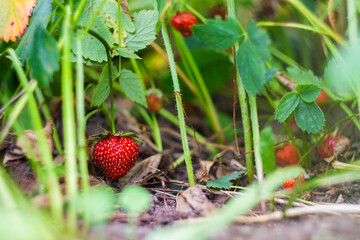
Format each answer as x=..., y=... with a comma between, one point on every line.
x=218, y=34
x=260, y=40
x=44, y=57
x=145, y=30
x=40, y=17
x=126, y=53
x=309, y=117
x=224, y=182
x=102, y=89
x=308, y=92
x=303, y=77
x=14, y=18
x=251, y=70
x=132, y=86
x=267, y=149
x=287, y=105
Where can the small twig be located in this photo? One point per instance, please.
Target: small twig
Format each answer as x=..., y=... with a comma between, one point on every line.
x=286, y=81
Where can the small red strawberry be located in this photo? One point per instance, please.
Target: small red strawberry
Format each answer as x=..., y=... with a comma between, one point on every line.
x=290, y=183
x=322, y=98
x=286, y=155
x=115, y=155
x=333, y=145
x=183, y=22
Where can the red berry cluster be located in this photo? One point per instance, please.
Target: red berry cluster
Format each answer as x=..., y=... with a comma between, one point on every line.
x=115, y=155
x=183, y=22
x=290, y=183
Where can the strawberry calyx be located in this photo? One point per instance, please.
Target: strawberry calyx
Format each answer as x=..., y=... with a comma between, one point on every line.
x=107, y=134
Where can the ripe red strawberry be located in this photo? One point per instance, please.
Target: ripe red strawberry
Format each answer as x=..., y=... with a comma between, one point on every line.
x=286, y=155
x=333, y=145
x=323, y=97
x=290, y=183
x=115, y=155
x=183, y=22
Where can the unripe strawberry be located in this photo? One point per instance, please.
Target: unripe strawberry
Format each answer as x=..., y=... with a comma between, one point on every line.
x=154, y=99
x=333, y=145
x=183, y=22
x=115, y=155
x=286, y=155
x=290, y=183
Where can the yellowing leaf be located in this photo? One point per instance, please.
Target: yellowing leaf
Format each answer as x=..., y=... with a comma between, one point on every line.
x=14, y=17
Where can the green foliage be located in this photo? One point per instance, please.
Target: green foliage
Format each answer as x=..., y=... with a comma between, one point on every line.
x=342, y=77
x=126, y=53
x=250, y=57
x=44, y=57
x=267, y=149
x=287, y=105
x=218, y=34
x=132, y=86
x=303, y=77
x=224, y=182
x=145, y=24
x=309, y=117
x=270, y=73
x=40, y=17
x=135, y=199
x=251, y=70
x=309, y=93
x=97, y=204
x=102, y=89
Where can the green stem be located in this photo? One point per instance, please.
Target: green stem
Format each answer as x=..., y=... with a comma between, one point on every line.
x=177, y=93
x=204, y=95
x=52, y=183
x=47, y=114
x=243, y=104
x=111, y=91
x=81, y=125
x=348, y=111
x=69, y=122
x=256, y=135
x=352, y=22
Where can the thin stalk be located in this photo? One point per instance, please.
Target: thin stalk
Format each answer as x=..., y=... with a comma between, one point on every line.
x=348, y=111
x=111, y=91
x=193, y=69
x=283, y=57
x=243, y=104
x=256, y=136
x=291, y=25
x=15, y=112
x=352, y=22
x=177, y=93
x=78, y=11
x=52, y=183
x=69, y=122
x=194, y=11
x=81, y=125
x=47, y=114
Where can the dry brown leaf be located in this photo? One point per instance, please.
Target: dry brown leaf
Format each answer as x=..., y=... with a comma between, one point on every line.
x=30, y=138
x=12, y=153
x=141, y=169
x=194, y=200
x=203, y=173
x=96, y=181
x=23, y=176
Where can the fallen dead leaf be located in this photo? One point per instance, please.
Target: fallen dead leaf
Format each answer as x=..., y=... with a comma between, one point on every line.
x=29, y=141
x=141, y=170
x=96, y=181
x=194, y=200
x=23, y=176
x=203, y=173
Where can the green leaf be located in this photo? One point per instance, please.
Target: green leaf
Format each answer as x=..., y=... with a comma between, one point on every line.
x=260, y=40
x=309, y=117
x=224, y=182
x=135, y=199
x=44, y=57
x=97, y=204
x=342, y=77
x=267, y=149
x=270, y=73
x=308, y=92
x=102, y=90
x=145, y=24
x=287, y=105
x=303, y=77
x=105, y=25
x=252, y=72
x=218, y=34
x=132, y=87
x=40, y=17
x=127, y=53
